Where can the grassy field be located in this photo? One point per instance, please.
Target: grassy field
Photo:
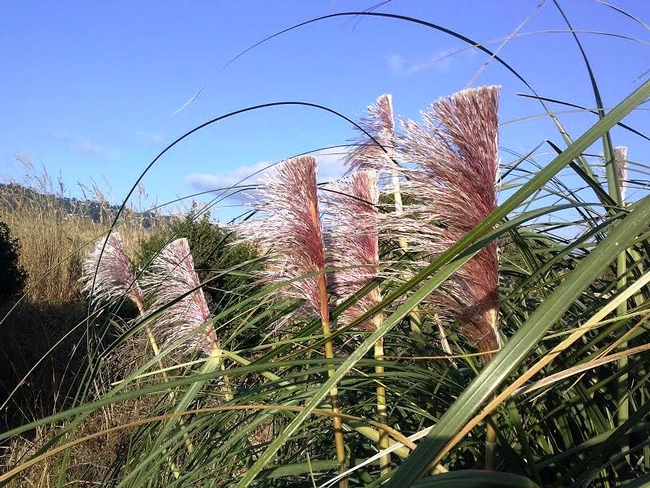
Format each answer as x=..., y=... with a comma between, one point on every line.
x=406, y=325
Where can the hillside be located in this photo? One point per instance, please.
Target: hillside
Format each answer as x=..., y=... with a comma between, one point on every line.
x=15, y=197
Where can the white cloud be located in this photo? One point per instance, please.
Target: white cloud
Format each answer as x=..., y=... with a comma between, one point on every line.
x=150, y=137
x=441, y=61
x=241, y=175
x=330, y=166
x=85, y=147
x=396, y=64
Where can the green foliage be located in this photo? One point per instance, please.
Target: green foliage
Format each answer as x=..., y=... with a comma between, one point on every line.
x=12, y=275
x=223, y=265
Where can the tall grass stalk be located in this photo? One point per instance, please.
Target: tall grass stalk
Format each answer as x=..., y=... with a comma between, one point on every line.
x=353, y=245
x=622, y=384
x=380, y=125
x=455, y=186
x=291, y=233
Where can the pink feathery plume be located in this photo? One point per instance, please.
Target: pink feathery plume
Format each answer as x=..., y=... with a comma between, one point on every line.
x=290, y=231
x=455, y=187
x=293, y=236
x=380, y=155
x=620, y=156
x=352, y=218
x=380, y=124
x=106, y=273
x=170, y=276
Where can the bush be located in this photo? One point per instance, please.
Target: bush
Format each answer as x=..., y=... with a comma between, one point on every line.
x=12, y=275
x=213, y=253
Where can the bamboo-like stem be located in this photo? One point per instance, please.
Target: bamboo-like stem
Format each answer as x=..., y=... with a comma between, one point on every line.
x=491, y=441
x=415, y=319
x=619, y=163
x=339, y=442
x=382, y=409
x=218, y=354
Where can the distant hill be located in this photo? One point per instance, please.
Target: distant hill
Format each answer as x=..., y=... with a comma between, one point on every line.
x=14, y=196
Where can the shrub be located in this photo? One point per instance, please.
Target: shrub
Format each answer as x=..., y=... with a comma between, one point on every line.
x=12, y=275
x=213, y=253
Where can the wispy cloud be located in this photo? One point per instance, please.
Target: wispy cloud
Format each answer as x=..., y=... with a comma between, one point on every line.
x=396, y=64
x=330, y=166
x=151, y=137
x=241, y=175
x=441, y=61
x=85, y=147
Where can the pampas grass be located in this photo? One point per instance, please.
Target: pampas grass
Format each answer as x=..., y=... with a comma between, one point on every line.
x=379, y=153
x=291, y=232
x=107, y=274
x=353, y=229
x=455, y=187
x=354, y=255
x=456, y=151
x=177, y=300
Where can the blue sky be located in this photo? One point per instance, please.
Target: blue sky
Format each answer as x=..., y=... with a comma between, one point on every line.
x=91, y=90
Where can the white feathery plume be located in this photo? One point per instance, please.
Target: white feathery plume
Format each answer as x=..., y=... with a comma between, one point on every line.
x=290, y=231
x=352, y=220
x=380, y=124
x=175, y=289
x=106, y=273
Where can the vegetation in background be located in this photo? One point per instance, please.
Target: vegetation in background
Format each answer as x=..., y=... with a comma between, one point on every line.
x=12, y=275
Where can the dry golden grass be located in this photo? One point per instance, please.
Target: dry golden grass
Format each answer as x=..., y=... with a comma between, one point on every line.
x=54, y=241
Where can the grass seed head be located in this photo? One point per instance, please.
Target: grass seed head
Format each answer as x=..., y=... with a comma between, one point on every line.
x=290, y=230
x=107, y=275
x=353, y=240
x=176, y=294
x=454, y=183
x=380, y=124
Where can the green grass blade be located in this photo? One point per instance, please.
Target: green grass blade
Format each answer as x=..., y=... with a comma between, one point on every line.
x=521, y=343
